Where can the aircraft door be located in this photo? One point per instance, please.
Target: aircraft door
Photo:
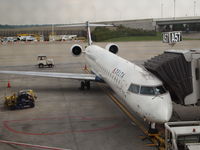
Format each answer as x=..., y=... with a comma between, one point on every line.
x=124, y=88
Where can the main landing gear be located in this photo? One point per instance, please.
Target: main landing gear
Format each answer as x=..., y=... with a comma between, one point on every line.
x=85, y=84
x=152, y=128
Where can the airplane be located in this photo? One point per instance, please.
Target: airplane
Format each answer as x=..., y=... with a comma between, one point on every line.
x=142, y=91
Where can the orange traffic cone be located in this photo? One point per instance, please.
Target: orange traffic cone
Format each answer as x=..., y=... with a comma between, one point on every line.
x=8, y=86
x=85, y=67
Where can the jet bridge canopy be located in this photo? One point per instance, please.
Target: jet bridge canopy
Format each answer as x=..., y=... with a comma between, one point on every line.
x=175, y=72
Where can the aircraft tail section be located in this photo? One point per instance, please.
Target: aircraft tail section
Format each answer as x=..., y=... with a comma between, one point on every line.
x=87, y=25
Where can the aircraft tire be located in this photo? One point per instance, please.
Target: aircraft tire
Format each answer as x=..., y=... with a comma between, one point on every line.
x=82, y=85
x=87, y=84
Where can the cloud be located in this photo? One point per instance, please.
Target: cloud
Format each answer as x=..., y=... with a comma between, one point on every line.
x=72, y=11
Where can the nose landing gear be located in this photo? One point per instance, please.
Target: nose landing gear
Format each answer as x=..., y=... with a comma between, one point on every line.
x=152, y=128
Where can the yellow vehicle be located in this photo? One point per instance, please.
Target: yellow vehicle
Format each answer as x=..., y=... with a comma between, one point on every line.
x=24, y=99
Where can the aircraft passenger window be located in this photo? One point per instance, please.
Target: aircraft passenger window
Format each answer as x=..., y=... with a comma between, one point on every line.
x=134, y=88
x=147, y=90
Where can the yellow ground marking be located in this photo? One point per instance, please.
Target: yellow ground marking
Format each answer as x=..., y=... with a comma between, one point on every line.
x=156, y=139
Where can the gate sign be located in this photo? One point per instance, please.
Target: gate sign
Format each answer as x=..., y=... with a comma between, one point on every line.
x=172, y=37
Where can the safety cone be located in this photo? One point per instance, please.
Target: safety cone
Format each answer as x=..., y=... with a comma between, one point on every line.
x=8, y=86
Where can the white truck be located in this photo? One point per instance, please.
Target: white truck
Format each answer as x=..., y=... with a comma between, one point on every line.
x=43, y=61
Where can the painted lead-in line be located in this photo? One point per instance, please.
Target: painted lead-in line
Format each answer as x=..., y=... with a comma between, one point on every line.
x=31, y=145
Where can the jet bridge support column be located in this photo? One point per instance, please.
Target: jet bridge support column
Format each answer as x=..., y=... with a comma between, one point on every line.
x=194, y=97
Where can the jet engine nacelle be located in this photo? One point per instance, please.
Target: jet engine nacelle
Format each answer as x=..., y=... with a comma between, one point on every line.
x=113, y=48
x=76, y=50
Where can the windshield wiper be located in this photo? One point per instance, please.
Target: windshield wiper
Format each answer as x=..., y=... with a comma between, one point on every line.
x=157, y=95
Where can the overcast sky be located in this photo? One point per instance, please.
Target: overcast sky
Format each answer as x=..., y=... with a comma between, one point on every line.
x=76, y=11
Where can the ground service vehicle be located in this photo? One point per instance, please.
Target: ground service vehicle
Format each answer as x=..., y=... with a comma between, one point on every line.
x=184, y=135
x=24, y=99
x=43, y=61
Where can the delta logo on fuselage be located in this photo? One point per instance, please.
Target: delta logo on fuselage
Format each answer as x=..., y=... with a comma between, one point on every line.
x=118, y=72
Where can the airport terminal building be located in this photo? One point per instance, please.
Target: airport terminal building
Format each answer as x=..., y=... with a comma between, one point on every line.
x=159, y=24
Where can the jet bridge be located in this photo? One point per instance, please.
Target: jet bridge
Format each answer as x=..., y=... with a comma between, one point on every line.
x=179, y=71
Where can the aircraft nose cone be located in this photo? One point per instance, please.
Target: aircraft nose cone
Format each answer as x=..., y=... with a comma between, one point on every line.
x=166, y=114
x=165, y=111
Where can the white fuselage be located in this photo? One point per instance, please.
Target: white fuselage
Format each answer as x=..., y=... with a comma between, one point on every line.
x=120, y=74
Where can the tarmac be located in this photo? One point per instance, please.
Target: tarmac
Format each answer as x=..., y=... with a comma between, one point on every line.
x=64, y=116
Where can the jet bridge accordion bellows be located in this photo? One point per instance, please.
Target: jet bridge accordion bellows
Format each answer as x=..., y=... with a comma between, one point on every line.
x=175, y=72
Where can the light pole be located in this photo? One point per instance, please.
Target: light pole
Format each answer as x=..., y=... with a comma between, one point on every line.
x=52, y=32
x=194, y=8
x=174, y=9
x=161, y=9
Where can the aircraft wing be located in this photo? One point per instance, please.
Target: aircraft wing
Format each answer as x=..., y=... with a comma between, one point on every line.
x=76, y=76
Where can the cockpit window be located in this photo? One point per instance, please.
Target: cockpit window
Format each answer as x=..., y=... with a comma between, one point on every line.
x=159, y=90
x=134, y=88
x=146, y=90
